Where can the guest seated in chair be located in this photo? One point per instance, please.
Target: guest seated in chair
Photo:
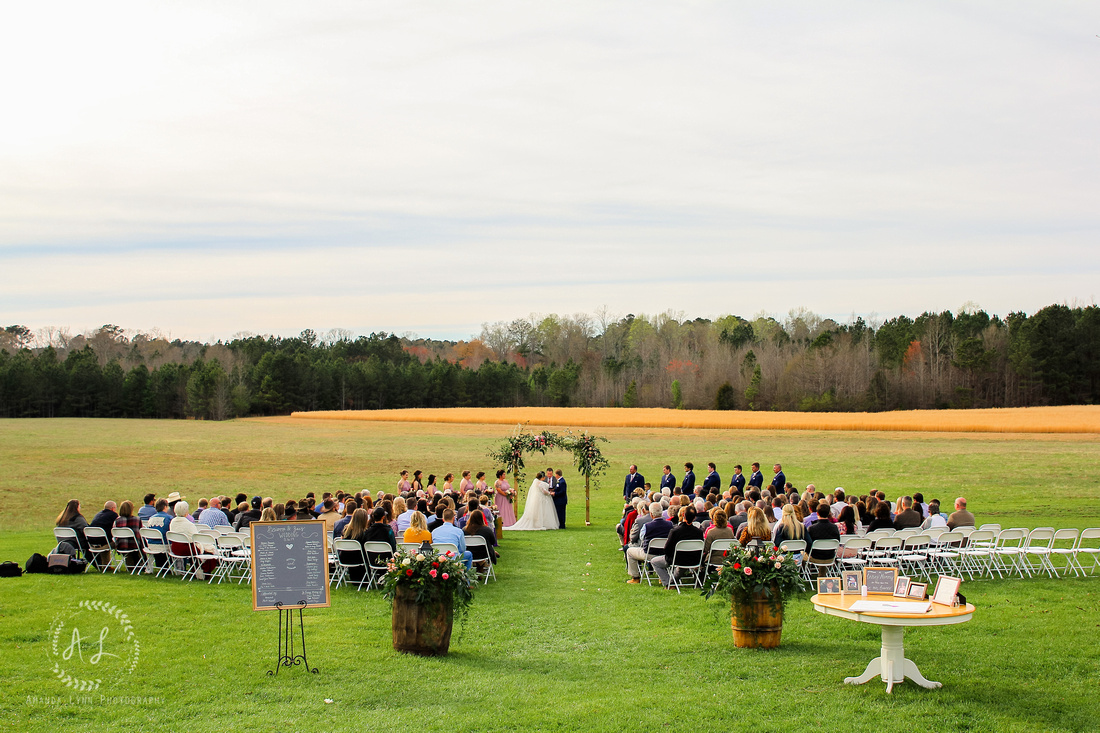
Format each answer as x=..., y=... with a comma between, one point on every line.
x=685, y=529
x=822, y=529
x=130, y=549
x=418, y=531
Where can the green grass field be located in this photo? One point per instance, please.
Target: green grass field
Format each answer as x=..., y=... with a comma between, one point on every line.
x=560, y=642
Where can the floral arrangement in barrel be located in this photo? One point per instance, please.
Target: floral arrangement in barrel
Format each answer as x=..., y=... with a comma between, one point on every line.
x=434, y=577
x=754, y=571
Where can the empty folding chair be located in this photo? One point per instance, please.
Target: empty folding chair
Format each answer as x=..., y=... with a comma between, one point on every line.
x=234, y=561
x=857, y=561
x=1008, y=552
x=798, y=549
x=944, y=555
x=687, y=557
x=1064, y=546
x=885, y=552
x=1091, y=551
x=977, y=557
x=913, y=558
x=994, y=528
x=933, y=533
x=1037, y=548
x=408, y=546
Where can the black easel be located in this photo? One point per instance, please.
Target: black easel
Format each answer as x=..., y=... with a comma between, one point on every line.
x=287, y=657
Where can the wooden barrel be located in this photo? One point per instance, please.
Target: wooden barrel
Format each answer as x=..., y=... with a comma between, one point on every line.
x=756, y=625
x=423, y=630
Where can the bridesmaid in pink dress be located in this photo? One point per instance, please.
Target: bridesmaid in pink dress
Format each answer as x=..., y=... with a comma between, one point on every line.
x=403, y=484
x=503, y=504
x=465, y=484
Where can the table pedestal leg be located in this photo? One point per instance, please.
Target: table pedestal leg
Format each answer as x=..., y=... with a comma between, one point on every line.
x=891, y=665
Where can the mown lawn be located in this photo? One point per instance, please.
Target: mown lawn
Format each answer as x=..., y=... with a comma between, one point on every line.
x=557, y=643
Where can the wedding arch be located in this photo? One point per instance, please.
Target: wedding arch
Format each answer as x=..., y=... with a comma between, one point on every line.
x=584, y=447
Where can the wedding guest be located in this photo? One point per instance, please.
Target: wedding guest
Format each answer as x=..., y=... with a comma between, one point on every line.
x=907, y=517
x=349, y=509
x=147, y=509
x=755, y=527
x=437, y=518
x=129, y=548
x=655, y=528
x=305, y=511
x=718, y=530
x=447, y=532
x=502, y=498
x=357, y=532
x=960, y=517
x=846, y=522
x=476, y=528
x=418, y=531
x=251, y=513
x=268, y=515
x=71, y=518
x=105, y=518
x=685, y=529
x=379, y=530
x=184, y=524
x=329, y=515
x=404, y=512
x=788, y=527
x=203, y=505
x=822, y=529
x=882, y=518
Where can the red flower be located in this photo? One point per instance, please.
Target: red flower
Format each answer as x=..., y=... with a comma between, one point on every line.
x=737, y=566
x=435, y=565
x=409, y=572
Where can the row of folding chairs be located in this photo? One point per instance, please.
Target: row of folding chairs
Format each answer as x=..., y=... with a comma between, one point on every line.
x=369, y=560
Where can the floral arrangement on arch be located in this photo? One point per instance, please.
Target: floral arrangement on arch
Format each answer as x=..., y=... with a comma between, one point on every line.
x=435, y=578
x=748, y=572
x=587, y=457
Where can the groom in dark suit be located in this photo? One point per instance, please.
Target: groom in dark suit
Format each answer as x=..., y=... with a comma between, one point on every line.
x=561, y=498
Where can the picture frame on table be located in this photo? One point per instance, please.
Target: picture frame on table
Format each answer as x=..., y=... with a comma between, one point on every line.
x=946, y=590
x=851, y=581
x=917, y=591
x=828, y=586
x=880, y=580
x=901, y=587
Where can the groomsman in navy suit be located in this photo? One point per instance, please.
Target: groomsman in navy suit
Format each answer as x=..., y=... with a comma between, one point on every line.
x=634, y=480
x=738, y=480
x=560, y=497
x=668, y=481
x=780, y=481
x=757, y=478
x=713, y=480
x=688, y=487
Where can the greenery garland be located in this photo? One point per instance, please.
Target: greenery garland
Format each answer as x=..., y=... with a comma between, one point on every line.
x=585, y=449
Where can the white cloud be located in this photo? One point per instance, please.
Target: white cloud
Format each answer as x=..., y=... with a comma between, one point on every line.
x=208, y=169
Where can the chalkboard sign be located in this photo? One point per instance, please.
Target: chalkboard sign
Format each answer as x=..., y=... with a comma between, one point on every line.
x=880, y=580
x=289, y=565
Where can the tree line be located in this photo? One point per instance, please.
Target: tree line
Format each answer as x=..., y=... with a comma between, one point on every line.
x=802, y=362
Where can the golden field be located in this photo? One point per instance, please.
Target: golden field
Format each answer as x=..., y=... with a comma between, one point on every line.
x=1067, y=419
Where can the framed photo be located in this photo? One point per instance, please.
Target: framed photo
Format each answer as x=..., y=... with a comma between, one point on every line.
x=917, y=591
x=946, y=588
x=880, y=580
x=851, y=581
x=828, y=586
x=901, y=587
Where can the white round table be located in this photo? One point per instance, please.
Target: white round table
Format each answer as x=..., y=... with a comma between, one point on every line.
x=891, y=665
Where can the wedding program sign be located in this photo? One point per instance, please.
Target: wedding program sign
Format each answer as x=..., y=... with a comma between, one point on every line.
x=289, y=565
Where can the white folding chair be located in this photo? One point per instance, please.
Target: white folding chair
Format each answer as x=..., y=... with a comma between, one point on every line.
x=126, y=535
x=482, y=553
x=98, y=546
x=656, y=548
x=944, y=555
x=349, y=554
x=977, y=556
x=155, y=547
x=182, y=563
x=1092, y=552
x=66, y=534
x=225, y=529
x=1008, y=552
x=858, y=561
x=410, y=546
x=687, y=558
x=913, y=559
x=206, y=550
x=1037, y=547
x=885, y=552
x=1064, y=545
x=933, y=533
x=820, y=564
x=233, y=559
x=716, y=548
x=994, y=528
x=378, y=555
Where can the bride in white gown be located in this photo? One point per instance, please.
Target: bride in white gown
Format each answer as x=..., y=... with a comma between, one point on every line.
x=539, y=513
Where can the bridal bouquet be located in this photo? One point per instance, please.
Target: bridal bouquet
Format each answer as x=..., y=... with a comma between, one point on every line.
x=511, y=494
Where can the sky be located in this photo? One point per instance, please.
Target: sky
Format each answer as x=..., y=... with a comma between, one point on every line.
x=207, y=168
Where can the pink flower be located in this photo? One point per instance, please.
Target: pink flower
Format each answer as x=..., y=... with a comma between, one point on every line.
x=748, y=570
x=778, y=565
x=445, y=576
x=433, y=573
